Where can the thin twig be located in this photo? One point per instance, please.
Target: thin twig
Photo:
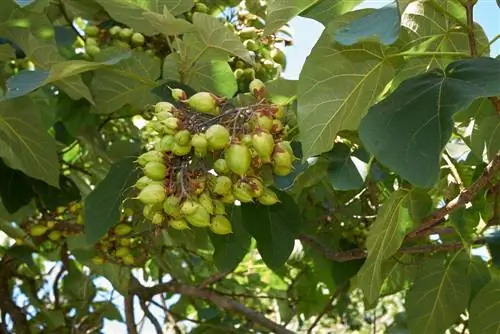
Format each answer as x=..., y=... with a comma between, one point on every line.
x=328, y=307
x=453, y=171
x=213, y=279
x=151, y=317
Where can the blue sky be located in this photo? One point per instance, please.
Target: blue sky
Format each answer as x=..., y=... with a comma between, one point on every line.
x=306, y=32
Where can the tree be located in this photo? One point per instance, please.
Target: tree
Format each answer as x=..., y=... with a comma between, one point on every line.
x=154, y=146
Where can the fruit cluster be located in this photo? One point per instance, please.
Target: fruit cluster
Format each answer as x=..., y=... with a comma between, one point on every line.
x=355, y=233
x=125, y=38
x=207, y=154
x=15, y=66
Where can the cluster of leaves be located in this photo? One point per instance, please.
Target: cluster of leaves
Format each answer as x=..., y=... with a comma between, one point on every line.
x=394, y=117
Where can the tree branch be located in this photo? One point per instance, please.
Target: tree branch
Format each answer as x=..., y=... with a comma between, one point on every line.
x=463, y=198
x=129, y=314
x=469, y=8
x=328, y=307
x=151, y=317
x=211, y=296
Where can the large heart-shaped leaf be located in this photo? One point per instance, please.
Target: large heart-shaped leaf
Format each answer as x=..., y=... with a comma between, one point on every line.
x=279, y=12
x=408, y=129
x=325, y=11
x=485, y=138
x=485, y=308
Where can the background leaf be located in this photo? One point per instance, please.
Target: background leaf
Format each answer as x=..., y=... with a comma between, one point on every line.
x=484, y=309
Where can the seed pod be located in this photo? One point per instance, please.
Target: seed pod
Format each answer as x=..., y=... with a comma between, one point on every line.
x=38, y=230
x=125, y=34
x=217, y=137
x=221, y=167
x=178, y=224
x=228, y=199
x=200, y=7
x=55, y=235
x=180, y=150
x=221, y=225
x=238, y=73
x=98, y=260
x=264, y=122
x=128, y=260
x=172, y=206
x=279, y=57
x=50, y=224
x=221, y=185
x=268, y=197
x=243, y=192
x=152, y=194
x=206, y=201
x=251, y=45
x=157, y=218
x=277, y=126
x=238, y=159
x=114, y=30
x=199, y=141
x=199, y=218
x=92, y=50
x=263, y=144
x=248, y=33
x=137, y=39
x=172, y=123
x=155, y=170
x=282, y=156
x=178, y=94
x=150, y=156
x=163, y=115
x=282, y=170
x=219, y=208
x=182, y=137
x=256, y=185
x=122, y=251
x=91, y=31
x=142, y=182
x=279, y=111
x=257, y=88
x=122, y=229
x=166, y=143
x=125, y=242
x=189, y=207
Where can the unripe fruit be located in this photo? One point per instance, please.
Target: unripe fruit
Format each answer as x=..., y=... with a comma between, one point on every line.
x=98, y=260
x=217, y=137
x=268, y=197
x=221, y=167
x=222, y=185
x=279, y=111
x=38, y=230
x=269, y=64
x=172, y=123
x=243, y=192
x=206, y=201
x=125, y=242
x=178, y=94
x=163, y=115
x=122, y=251
x=201, y=7
x=221, y=225
x=247, y=33
x=182, y=137
x=120, y=44
x=80, y=220
x=150, y=156
x=199, y=218
x=137, y=39
x=92, y=50
x=122, y=229
x=228, y=199
x=277, y=126
x=189, y=207
x=247, y=140
x=55, y=235
x=263, y=144
x=251, y=45
x=92, y=31
x=128, y=259
x=143, y=182
x=204, y=102
x=157, y=218
x=256, y=185
x=264, y=122
x=155, y=170
x=178, y=224
x=257, y=87
x=164, y=106
x=279, y=57
x=114, y=30
x=166, y=143
x=172, y=206
x=152, y=194
x=180, y=150
x=238, y=73
x=238, y=158
x=249, y=73
x=50, y=224
x=125, y=34
x=282, y=170
x=199, y=141
x=219, y=208
x=282, y=156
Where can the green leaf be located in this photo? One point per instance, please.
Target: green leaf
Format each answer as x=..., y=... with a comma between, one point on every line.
x=398, y=273
x=109, y=310
x=281, y=91
x=336, y=87
x=344, y=173
x=167, y=24
x=439, y=294
x=408, y=130
x=16, y=191
x=208, y=75
x=25, y=144
x=118, y=276
x=129, y=82
x=420, y=205
x=6, y=52
x=279, y=12
x=484, y=310
x=274, y=228
x=485, y=138
x=325, y=11
x=464, y=222
x=77, y=285
x=378, y=25
x=384, y=239
x=102, y=206
x=231, y=249
x=479, y=275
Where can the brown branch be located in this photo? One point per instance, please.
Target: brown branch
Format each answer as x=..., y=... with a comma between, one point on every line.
x=463, y=198
x=151, y=317
x=213, y=279
x=328, y=307
x=211, y=296
x=129, y=314
x=469, y=8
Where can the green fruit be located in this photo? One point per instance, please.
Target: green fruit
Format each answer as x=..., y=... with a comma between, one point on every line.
x=219, y=208
x=238, y=158
x=143, y=182
x=263, y=144
x=98, y=260
x=264, y=122
x=206, y=201
x=153, y=194
x=150, y=52
x=125, y=242
x=120, y=44
x=256, y=186
x=92, y=50
x=163, y=115
x=221, y=167
x=217, y=137
x=282, y=170
x=228, y=199
x=200, y=144
x=55, y=235
x=182, y=137
x=149, y=210
x=125, y=34
x=172, y=206
x=128, y=259
x=240, y=64
x=257, y=87
x=199, y=218
x=166, y=143
x=150, y=156
x=178, y=94
x=268, y=64
x=172, y=123
x=243, y=192
x=122, y=251
x=122, y=229
x=157, y=218
x=155, y=170
x=268, y=197
x=189, y=207
x=137, y=39
x=279, y=57
x=180, y=150
x=164, y=106
x=283, y=155
x=38, y=230
x=204, y=102
x=114, y=30
x=247, y=140
x=279, y=111
x=222, y=185
x=248, y=33
x=178, y=224
x=92, y=31
x=221, y=225
x=249, y=73
x=238, y=73
x=251, y=45
x=201, y=7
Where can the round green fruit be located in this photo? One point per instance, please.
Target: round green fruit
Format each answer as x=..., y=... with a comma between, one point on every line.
x=128, y=259
x=38, y=230
x=120, y=44
x=189, y=207
x=251, y=45
x=122, y=229
x=142, y=182
x=178, y=94
x=92, y=50
x=181, y=150
x=137, y=39
x=156, y=171
x=257, y=87
x=157, y=218
x=217, y=137
x=221, y=185
x=92, y=31
x=114, y=30
x=219, y=208
x=205, y=201
x=199, y=218
x=279, y=57
x=164, y=106
x=55, y=235
x=268, y=197
x=166, y=143
x=221, y=167
x=200, y=7
x=243, y=192
x=172, y=207
x=125, y=34
x=98, y=260
x=178, y=224
x=182, y=137
x=152, y=194
x=221, y=225
x=238, y=73
x=263, y=144
x=204, y=102
x=248, y=33
x=238, y=158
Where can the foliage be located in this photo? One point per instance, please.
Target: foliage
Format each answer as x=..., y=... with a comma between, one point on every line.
x=353, y=199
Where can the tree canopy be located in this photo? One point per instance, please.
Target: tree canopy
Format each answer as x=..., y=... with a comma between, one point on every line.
x=158, y=171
